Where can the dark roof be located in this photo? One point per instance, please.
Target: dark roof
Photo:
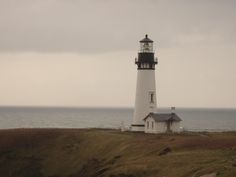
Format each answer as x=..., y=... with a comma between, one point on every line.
x=163, y=117
x=146, y=39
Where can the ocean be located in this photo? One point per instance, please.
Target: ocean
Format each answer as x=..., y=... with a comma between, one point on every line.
x=194, y=119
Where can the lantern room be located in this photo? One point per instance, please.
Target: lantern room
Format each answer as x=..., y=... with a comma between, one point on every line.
x=146, y=59
x=146, y=45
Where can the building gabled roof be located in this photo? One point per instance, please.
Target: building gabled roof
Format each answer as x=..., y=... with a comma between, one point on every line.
x=164, y=117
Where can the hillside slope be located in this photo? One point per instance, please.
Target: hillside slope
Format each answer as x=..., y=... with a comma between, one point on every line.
x=110, y=153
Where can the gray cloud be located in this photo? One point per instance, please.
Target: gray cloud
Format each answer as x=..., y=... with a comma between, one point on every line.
x=81, y=53
x=101, y=26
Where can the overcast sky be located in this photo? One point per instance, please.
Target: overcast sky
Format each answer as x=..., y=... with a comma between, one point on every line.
x=81, y=52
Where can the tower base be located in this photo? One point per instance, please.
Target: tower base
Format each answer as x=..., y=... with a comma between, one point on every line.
x=137, y=128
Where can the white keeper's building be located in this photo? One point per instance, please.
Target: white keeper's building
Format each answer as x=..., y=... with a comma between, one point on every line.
x=162, y=123
x=146, y=117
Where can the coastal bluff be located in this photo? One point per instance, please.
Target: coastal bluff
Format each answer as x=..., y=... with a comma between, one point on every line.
x=111, y=153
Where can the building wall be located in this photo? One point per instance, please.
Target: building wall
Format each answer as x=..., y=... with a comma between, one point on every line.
x=143, y=106
x=148, y=125
x=175, y=127
x=158, y=127
x=161, y=127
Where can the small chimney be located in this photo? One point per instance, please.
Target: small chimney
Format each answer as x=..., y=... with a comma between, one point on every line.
x=172, y=110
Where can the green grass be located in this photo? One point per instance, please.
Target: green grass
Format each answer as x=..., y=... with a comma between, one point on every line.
x=110, y=153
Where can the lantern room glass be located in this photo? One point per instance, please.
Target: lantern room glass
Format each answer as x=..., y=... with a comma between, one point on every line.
x=146, y=47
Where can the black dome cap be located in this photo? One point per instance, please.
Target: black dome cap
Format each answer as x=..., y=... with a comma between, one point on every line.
x=146, y=40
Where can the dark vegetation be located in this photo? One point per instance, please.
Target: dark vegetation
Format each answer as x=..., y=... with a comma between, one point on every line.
x=110, y=153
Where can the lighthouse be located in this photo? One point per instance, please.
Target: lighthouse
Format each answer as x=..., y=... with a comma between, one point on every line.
x=145, y=100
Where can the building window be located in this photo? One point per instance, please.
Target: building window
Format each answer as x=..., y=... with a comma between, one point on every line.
x=152, y=125
x=151, y=97
x=148, y=124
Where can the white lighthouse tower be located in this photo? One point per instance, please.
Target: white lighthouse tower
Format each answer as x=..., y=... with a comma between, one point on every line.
x=145, y=101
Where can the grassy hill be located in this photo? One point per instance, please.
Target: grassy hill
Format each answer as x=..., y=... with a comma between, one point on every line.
x=110, y=153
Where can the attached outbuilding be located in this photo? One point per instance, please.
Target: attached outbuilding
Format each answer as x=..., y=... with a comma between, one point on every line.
x=162, y=123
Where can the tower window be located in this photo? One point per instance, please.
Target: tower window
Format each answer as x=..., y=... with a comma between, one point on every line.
x=151, y=97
